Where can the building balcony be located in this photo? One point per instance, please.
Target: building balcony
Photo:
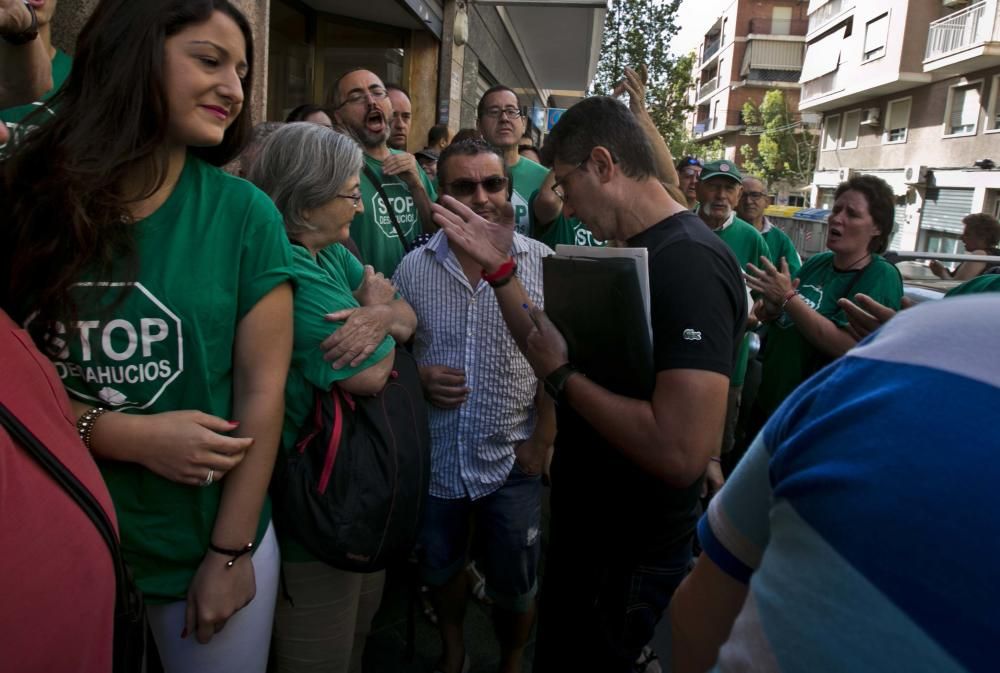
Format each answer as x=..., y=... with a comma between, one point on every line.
x=784, y=27
x=708, y=88
x=827, y=13
x=821, y=86
x=710, y=50
x=964, y=41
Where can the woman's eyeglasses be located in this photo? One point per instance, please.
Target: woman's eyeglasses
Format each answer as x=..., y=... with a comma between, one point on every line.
x=353, y=197
x=468, y=187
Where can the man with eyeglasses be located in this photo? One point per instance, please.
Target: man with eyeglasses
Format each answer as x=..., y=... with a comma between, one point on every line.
x=360, y=102
x=491, y=424
x=502, y=125
x=719, y=189
x=402, y=115
x=753, y=202
x=627, y=472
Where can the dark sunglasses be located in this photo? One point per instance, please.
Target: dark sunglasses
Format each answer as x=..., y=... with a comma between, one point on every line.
x=468, y=187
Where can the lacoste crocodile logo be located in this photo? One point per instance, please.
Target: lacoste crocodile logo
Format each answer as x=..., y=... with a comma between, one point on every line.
x=692, y=335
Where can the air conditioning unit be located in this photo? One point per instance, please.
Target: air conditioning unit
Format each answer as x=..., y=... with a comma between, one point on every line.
x=870, y=116
x=915, y=175
x=954, y=3
x=845, y=174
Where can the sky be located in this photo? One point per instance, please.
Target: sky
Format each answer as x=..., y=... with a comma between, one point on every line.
x=694, y=17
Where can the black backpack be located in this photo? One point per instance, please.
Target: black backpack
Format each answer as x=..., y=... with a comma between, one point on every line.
x=352, y=489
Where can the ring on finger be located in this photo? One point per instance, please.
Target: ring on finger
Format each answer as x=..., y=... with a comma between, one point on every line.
x=209, y=478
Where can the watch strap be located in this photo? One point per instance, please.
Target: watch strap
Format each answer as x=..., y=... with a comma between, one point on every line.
x=25, y=36
x=555, y=382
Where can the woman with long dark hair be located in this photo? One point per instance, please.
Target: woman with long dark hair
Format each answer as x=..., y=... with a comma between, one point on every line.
x=158, y=286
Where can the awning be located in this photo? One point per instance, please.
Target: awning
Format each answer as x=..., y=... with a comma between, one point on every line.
x=559, y=40
x=772, y=55
x=823, y=56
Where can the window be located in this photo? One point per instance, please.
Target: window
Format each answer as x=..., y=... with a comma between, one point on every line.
x=799, y=201
x=992, y=113
x=849, y=135
x=897, y=121
x=876, y=33
x=962, y=113
x=715, y=114
x=831, y=127
x=781, y=20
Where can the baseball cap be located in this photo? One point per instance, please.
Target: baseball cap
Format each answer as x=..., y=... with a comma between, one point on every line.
x=426, y=154
x=721, y=167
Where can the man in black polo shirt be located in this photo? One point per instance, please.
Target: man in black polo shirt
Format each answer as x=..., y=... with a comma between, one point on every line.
x=627, y=472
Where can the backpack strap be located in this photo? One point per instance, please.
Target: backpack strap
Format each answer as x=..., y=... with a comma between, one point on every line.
x=128, y=601
x=370, y=174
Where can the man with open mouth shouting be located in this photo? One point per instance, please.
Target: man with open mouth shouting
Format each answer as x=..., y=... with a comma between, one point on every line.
x=361, y=104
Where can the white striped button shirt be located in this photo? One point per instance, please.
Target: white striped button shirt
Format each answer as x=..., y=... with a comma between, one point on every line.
x=460, y=326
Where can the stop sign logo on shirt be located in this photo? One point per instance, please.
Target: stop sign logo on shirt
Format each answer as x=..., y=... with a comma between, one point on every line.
x=402, y=207
x=125, y=358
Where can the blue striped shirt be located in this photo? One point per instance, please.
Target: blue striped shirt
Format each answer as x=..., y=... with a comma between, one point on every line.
x=864, y=515
x=460, y=326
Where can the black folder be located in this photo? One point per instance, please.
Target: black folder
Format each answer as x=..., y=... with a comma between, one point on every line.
x=599, y=308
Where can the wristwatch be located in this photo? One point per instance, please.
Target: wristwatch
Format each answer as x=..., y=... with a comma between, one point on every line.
x=27, y=35
x=555, y=382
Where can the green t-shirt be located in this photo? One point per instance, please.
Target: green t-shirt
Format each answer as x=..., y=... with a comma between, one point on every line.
x=987, y=283
x=788, y=358
x=372, y=230
x=323, y=285
x=528, y=178
x=563, y=230
x=780, y=246
x=61, y=65
x=214, y=248
x=748, y=245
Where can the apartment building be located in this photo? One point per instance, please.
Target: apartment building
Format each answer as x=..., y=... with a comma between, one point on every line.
x=752, y=47
x=908, y=91
x=445, y=52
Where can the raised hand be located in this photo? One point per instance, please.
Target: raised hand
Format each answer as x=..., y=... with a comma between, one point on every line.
x=405, y=166
x=486, y=242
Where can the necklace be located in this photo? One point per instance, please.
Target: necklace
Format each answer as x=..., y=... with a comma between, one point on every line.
x=850, y=267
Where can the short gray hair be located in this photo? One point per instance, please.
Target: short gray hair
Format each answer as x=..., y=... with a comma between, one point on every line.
x=303, y=166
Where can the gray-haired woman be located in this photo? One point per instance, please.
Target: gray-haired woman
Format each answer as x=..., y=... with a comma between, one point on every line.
x=311, y=173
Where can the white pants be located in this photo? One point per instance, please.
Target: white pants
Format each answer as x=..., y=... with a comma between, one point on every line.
x=241, y=647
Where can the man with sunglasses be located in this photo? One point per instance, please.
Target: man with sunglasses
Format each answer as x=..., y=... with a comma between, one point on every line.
x=360, y=103
x=627, y=471
x=502, y=124
x=491, y=424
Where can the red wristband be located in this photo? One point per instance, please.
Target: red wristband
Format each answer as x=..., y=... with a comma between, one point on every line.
x=503, y=272
x=788, y=298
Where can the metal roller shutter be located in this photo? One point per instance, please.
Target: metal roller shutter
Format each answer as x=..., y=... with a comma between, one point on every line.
x=944, y=209
x=899, y=220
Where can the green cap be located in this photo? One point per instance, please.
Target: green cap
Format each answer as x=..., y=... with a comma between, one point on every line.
x=721, y=167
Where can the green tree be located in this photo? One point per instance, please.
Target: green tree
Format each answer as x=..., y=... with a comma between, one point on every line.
x=785, y=152
x=636, y=33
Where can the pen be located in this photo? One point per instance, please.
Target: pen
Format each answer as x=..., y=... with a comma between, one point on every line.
x=531, y=315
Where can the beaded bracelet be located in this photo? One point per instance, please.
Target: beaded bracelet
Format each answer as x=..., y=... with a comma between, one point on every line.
x=85, y=424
